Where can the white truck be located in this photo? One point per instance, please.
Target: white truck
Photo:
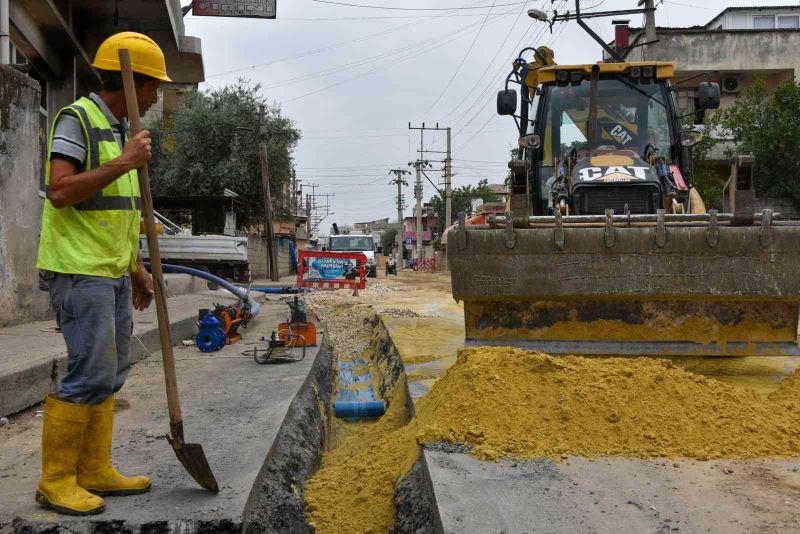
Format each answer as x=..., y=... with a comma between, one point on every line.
x=356, y=243
x=221, y=255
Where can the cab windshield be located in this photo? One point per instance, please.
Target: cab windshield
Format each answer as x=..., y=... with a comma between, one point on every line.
x=629, y=117
x=351, y=243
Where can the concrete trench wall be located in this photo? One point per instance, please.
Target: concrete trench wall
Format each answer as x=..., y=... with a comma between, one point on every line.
x=415, y=504
x=276, y=503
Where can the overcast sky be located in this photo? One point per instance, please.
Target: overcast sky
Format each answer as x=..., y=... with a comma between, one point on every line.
x=352, y=78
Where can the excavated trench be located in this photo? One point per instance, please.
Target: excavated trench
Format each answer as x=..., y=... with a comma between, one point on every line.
x=277, y=502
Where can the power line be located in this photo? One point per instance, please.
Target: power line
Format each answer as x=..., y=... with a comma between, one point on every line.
x=383, y=17
x=491, y=62
x=493, y=116
x=364, y=61
x=695, y=6
x=377, y=68
x=500, y=73
x=480, y=97
x=314, y=51
x=341, y=44
x=463, y=59
x=392, y=8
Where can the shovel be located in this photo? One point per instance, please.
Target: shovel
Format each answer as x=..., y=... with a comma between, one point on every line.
x=191, y=455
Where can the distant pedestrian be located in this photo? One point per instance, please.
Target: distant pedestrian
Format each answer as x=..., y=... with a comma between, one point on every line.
x=89, y=257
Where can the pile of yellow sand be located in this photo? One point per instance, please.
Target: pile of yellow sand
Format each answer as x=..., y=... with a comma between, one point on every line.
x=353, y=491
x=508, y=402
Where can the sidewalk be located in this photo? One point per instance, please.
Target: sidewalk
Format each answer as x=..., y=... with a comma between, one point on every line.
x=33, y=356
x=232, y=406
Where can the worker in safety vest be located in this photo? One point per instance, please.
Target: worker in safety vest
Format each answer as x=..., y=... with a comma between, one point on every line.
x=89, y=256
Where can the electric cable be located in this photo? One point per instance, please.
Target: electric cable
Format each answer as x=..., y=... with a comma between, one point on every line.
x=461, y=64
x=486, y=70
x=372, y=70
x=392, y=8
x=364, y=61
x=552, y=41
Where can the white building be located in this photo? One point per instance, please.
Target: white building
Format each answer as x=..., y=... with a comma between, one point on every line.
x=757, y=18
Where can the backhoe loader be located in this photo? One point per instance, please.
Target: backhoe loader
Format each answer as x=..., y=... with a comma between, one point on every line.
x=606, y=248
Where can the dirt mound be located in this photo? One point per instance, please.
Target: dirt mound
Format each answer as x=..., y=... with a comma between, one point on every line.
x=509, y=402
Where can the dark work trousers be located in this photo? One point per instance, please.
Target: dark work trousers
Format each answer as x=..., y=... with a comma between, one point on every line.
x=96, y=319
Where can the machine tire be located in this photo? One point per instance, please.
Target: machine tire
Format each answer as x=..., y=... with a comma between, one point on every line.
x=211, y=285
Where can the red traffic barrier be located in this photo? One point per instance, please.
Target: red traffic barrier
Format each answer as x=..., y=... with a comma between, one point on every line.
x=331, y=270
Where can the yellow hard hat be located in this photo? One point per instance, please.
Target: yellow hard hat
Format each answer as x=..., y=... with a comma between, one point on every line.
x=146, y=56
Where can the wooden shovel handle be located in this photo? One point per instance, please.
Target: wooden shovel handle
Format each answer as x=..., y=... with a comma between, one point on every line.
x=173, y=402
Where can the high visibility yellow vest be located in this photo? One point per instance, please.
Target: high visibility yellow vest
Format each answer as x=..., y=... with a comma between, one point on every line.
x=100, y=236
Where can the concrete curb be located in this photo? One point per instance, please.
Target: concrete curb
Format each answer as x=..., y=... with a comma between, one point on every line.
x=26, y=387
x=276, y=503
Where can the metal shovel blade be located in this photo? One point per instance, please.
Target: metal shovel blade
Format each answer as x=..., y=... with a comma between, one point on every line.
x=193, y=458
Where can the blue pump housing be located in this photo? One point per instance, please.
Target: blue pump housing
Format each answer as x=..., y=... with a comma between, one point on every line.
x=211, y=336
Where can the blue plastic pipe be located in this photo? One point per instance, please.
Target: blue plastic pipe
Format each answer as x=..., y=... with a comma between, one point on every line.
x=293, y=254
x=221, y=282
x=359, y=408
x=277, y=290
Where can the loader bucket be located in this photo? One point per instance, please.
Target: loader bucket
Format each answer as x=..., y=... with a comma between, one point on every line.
x=689, y=285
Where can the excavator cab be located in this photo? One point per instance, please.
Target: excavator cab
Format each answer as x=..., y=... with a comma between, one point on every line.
x=605, y=248
x=608, y=136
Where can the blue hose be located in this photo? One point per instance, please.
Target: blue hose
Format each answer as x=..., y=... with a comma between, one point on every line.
x=221, y=282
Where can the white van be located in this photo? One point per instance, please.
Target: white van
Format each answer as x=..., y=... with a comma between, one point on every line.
x=356, y=243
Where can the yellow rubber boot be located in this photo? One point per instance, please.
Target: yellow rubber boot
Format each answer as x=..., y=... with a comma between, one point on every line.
x=63, y=433
x=95, y=472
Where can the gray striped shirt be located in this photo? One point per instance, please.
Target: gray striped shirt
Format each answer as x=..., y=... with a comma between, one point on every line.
x=69, y=141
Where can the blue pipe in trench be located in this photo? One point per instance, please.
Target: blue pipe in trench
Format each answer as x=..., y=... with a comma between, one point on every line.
x=356, y=402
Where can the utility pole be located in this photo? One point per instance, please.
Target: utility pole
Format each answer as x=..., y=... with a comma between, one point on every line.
x=294, y=193
x=272, y=253
x=448, y=176
x=400, y=181
x=649, y=28
x=418, y=196
x=448, y=185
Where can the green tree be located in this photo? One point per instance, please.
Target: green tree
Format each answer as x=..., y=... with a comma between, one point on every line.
x=768, y=127
x=211, y=142
x=388, y=237
x=515, y=153
x=462, y=201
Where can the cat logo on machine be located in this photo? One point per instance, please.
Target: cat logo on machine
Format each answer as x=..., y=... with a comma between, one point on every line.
x=614, y=173
x=621, y=135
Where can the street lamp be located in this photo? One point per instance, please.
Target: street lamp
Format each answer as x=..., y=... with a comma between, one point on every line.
x=537, y=14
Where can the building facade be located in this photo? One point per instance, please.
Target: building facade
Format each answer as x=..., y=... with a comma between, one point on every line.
x=430, y=233
x=736, y=47
x=48, y=55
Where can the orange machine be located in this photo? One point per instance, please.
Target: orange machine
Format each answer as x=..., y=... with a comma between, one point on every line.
x=303, y=334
